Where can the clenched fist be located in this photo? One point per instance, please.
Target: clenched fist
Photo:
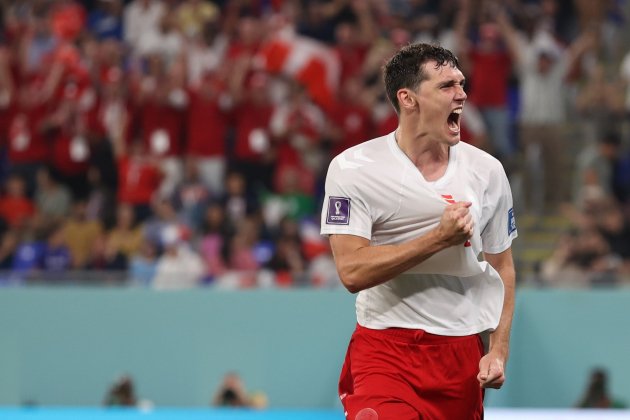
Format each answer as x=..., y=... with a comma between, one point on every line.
x=456, y=224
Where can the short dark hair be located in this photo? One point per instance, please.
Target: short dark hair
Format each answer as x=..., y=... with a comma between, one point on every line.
x=406, y=68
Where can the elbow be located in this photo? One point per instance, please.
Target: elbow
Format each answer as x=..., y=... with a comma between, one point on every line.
x=352, y=288
x=350, y=282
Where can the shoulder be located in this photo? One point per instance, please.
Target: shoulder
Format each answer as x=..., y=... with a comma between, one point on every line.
x=363, y=158
x=479, y=160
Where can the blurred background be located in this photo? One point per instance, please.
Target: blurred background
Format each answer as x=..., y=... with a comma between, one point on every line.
x=162, y=167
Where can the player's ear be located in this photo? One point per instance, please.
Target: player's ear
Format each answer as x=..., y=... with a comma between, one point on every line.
x=406, y=99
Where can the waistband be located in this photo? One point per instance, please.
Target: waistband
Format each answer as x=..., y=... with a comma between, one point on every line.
x=412, y=336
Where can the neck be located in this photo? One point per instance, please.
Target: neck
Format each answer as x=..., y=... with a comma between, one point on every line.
x=428, y=155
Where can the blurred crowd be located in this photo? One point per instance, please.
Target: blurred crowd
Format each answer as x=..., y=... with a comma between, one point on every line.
x=175, y=143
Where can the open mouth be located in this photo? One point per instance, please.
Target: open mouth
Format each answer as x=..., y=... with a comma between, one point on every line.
x=453, y=120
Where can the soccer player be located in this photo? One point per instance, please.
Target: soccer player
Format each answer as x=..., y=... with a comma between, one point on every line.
x=407, y=216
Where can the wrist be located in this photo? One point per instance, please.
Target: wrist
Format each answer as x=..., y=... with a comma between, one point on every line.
x=501, y=351
x=438, y=239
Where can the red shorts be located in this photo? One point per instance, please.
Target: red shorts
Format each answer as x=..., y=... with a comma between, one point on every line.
x=403, y=374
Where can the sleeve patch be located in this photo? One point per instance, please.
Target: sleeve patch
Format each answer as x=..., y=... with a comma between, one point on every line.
x=338, y=211
x=511, y=221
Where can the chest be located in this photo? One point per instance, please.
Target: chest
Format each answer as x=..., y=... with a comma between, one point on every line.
x=416, y=206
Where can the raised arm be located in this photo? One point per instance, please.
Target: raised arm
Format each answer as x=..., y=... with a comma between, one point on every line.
x=492, y=365
x=509, y=34
x=582, y=44
x=361, y=265
x=7, y=87
x=461, y=27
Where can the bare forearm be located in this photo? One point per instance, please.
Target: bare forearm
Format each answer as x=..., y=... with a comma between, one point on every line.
x=370, y=266
x=500, y=338
x=361, y=265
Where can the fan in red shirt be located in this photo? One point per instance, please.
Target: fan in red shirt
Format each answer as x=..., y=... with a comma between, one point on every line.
x=163, y=103
x=15, y=207
x=28, y=147
x=353, y=118
x=69, y=138
x=139, y=174
x=253, y=153
x=489, y=64
x=7, y=92
x=298, y=126
x=139, y=178
x=354, y=40
x=207, y=130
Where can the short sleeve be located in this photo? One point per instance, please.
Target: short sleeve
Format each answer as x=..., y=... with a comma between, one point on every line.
x=345, y=209
x=499, y=221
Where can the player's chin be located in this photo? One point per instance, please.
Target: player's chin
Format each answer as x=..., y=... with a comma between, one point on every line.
x=452, y=137
x=453, y=140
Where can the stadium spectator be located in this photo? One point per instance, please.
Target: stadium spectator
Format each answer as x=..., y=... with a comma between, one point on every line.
x=353, y=118
x=193, y=15
x=28, y=148
x=141, y=17
x=28, y=254
x=597, y=394
x=205, y=53
x=52, y=198
x=106, y=20
x=179, y=266
x=105, y=256
x=217, y=232
x=207, y=129
x=162, y=218
x=239, y=199
x=253, y=152
x=122, y=393
x=126, y=236
x=80, y=234
x=56, y=258
x=297, y=127
x=231, y=392
x=15, y=206
x=8, y=246
x=101, y=197
x=139, y=177
x=288, y=261
x=191, y=196
x=162, y=103
x=599, y=102
x=142, y=266
x=595, y=167
x=488, y=64
x=543, y=66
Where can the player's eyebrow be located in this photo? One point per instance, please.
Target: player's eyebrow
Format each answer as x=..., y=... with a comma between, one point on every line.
x=452, y=82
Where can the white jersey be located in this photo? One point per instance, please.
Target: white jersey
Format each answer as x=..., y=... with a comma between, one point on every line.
x=374, y=191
